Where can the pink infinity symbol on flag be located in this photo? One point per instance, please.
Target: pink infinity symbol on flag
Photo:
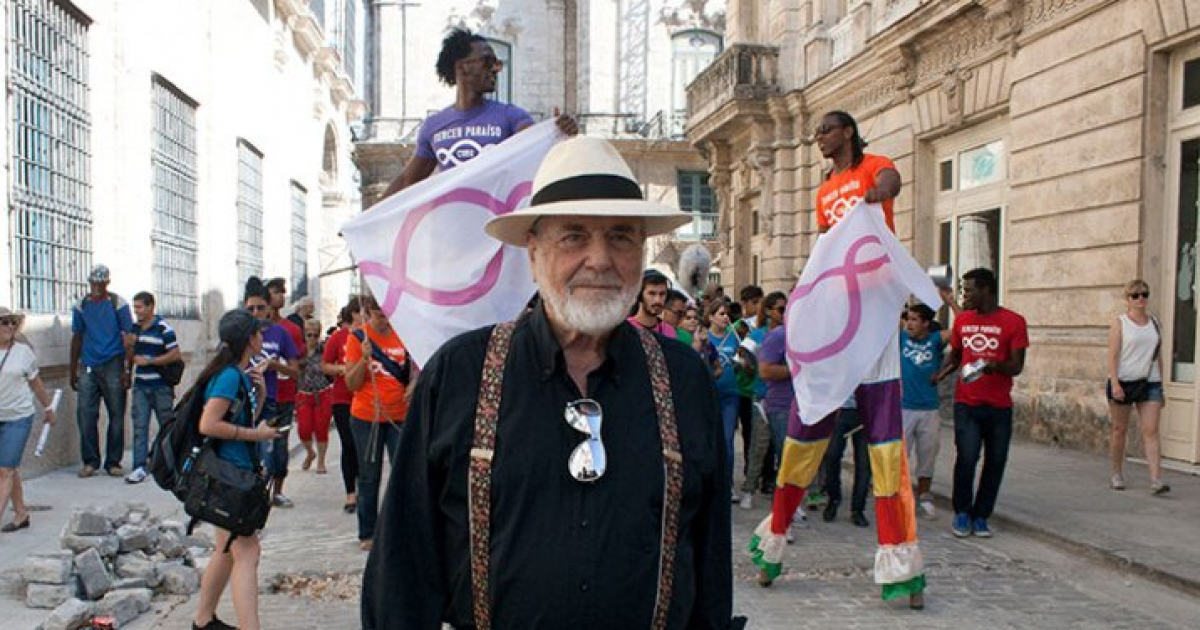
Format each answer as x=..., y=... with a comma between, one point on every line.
x=399, y=282
x=849, y=271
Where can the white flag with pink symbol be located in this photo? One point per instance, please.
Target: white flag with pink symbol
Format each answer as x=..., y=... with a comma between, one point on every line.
x=426, y=258
x=845, y=311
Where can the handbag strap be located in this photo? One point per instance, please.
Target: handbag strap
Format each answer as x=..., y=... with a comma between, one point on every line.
x=479, y=476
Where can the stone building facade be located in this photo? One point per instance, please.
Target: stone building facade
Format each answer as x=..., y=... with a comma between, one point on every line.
x=620, y=67
x=184, y=145
x=1054, y=141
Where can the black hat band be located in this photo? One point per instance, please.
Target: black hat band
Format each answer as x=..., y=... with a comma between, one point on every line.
x=583, y=187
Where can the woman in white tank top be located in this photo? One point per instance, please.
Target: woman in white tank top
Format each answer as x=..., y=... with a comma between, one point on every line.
x=1134, y=343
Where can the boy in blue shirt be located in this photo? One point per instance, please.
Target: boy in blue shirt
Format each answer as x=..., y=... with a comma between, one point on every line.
x=921, y=357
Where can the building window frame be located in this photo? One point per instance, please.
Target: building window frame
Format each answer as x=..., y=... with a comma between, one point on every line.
x=175, y=183
x=1183, y=128
x=686, y=64
x=249, y=211
x=504, y=52
x=50, y=126
x=698, y=199
x=299, y=268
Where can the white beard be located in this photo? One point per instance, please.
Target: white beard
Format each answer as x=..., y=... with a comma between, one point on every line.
x=587, y=316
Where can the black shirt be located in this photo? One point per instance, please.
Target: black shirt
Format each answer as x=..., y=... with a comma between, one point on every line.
x=565, y=554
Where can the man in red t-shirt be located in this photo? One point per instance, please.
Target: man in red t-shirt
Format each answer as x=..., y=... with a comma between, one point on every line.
x=855, y=176
x=989, y=341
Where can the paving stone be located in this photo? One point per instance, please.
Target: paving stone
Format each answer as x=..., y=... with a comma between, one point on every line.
x=136, y=537
x=48, y=568
x=70, y=615
x=47, y=595
x=89, y=522
x=93, y=574
x=135, y=567
x=124, y=605
x=179, y=580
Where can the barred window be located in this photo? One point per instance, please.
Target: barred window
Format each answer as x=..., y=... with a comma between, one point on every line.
x=299, y=241
x=173, y=160
x=350, y=40
x=250, y=212
x=50, y=126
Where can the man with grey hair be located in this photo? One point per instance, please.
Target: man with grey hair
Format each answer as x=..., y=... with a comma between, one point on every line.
x=567, y=469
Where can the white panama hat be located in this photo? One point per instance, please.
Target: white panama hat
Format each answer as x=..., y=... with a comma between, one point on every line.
x=585, y=177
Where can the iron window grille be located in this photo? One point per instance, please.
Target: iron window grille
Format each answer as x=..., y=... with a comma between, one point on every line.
x=50, y=126
x=173, y=159
x=250, y=212
x=299, y=241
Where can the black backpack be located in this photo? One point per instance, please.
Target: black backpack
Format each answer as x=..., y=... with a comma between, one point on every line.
x=178, y=439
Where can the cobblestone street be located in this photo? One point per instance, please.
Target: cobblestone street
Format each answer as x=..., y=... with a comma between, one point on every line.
x=1010, y=581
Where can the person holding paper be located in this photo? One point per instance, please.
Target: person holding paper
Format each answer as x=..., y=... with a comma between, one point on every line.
x=19, y=384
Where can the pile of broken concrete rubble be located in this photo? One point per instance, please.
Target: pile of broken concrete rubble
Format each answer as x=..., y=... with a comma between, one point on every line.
x=114, y=561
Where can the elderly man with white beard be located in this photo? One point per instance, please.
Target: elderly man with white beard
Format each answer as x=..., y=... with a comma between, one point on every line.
x=566, y=470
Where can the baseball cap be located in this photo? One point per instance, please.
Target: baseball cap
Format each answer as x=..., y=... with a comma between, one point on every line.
x=99, y=274
x=238, y=325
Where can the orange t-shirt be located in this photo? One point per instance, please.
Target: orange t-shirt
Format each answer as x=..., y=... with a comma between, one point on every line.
x=843, y=190
x=391, y=392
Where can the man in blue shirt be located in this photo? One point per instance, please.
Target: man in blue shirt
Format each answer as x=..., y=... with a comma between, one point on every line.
x=155, y=346
x=100, y=323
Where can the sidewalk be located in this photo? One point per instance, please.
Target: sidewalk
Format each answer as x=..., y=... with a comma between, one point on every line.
x=1063, y=498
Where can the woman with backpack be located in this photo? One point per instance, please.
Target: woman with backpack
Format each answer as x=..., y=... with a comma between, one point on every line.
x=232, y=426
x=19, y=384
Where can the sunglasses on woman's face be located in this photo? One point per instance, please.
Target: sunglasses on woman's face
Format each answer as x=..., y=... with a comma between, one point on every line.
x=9, y=321
x=1143, y=295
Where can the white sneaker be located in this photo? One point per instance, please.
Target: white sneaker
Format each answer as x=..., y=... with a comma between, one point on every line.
x=927, y=510
x=137, y=476
x=799, y=519
x=747, y=502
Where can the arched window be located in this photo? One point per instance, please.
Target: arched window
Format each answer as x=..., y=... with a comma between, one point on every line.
x=691, y=52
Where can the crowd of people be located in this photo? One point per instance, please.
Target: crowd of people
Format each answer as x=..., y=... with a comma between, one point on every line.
x=497, y=512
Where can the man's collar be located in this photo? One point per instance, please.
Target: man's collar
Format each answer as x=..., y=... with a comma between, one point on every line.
x=549, y=353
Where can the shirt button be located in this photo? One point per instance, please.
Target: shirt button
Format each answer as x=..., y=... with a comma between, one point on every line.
x=584, y=524
x=583, y=587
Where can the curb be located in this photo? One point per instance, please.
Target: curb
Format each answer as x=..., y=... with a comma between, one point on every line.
x=1185, y=585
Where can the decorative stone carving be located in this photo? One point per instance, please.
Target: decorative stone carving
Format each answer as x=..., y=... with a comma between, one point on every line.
x=957, y=43
x=761, y=160
x=687, y=14
x=1006, y=18
x=952, y=88
x=1042, y=10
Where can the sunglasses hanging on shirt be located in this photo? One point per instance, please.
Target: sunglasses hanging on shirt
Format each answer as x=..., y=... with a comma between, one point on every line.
x=588, y=461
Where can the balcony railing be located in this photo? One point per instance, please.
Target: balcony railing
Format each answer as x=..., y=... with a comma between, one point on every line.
x=743, y=71
x=842, y=36
x=702, y=228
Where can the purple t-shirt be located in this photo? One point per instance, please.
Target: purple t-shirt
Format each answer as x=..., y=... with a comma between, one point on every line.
x=454, y=136
x=276, y=343
x=779, y=393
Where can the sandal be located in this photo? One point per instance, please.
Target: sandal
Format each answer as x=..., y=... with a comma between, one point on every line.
x=916, y=601
x=308, y=460
x=15, y=525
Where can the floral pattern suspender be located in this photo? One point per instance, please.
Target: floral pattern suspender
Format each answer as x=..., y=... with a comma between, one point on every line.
x=479, y=478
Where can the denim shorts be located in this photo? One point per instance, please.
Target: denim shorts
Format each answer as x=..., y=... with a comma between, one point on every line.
x=13, y=436
x=1154, y=392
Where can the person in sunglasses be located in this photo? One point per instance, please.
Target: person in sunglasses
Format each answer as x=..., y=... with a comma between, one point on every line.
x=566, y=470
x=458, y=133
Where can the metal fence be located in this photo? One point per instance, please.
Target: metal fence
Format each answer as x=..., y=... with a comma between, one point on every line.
x=299, y=282
x=173, y=160
x=250, y=212
x=50, y=127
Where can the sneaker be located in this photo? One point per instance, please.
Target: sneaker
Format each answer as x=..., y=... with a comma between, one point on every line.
x=115, y=471
x=981, y=528
x=85, y=472
x=816, y=500
x=214, y=624
x=1158, y=487
x=282, y=502
x=137, y=476
x=735, y=497
x=747, y=502
x=1117, y=482
x=926, y=510
x=961, y=525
